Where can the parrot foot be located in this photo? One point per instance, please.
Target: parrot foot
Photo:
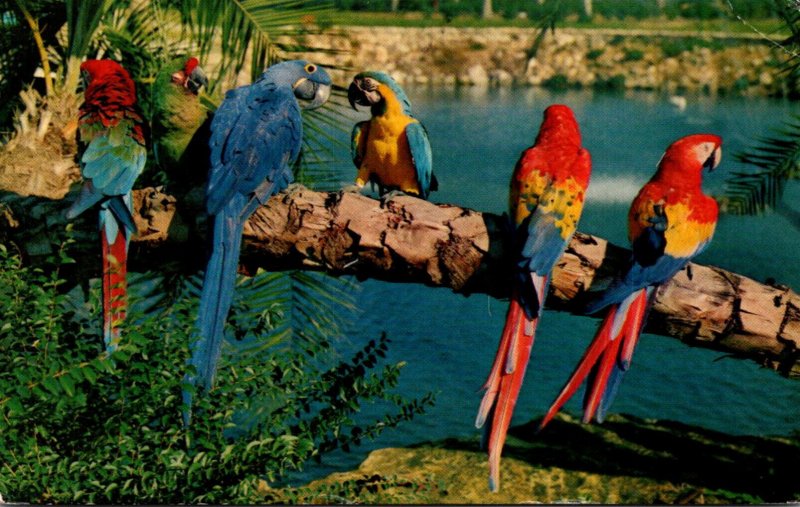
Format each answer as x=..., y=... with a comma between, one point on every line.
x=394, y=193
x=352, y=188
x=292, y=188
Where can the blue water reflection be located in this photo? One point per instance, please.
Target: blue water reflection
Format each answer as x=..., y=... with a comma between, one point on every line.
x=449, y=340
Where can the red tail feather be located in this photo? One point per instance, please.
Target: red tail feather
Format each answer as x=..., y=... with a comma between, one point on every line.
x=115, y=286
x=598, y=387
x=504, y=384
x=606, y=352
x=505, y=380
x=585, y=365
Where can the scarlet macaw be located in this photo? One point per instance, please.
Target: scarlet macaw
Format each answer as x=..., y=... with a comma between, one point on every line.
x=670, y=221
x=178, y=116
x=256, y=136
x=112, y=142
x=548, y=188
x=391, y=149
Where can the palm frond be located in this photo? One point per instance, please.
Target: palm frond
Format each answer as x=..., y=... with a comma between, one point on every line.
x=242, y=28
x=776, y=159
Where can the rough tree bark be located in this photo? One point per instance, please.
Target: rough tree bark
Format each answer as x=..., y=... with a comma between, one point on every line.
x=409, y=240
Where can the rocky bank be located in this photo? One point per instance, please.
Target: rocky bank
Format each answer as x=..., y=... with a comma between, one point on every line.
x=663, y=61
x=626, y=460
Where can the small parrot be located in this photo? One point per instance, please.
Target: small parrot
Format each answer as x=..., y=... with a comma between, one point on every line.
x=179, y=123
x=670, y=221
x=548, y=188
x=256, y=135
x=391, y=149
x=111, y=137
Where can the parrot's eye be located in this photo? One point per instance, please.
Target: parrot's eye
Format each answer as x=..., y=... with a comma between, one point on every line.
x=369, y=83
x=310, y=68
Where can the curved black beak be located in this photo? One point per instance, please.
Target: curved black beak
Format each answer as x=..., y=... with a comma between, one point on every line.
x=714, y=159
x=197, y=80
x=357, y=95
x=313, y=93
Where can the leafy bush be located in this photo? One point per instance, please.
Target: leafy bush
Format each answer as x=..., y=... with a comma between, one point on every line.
x=77, y=426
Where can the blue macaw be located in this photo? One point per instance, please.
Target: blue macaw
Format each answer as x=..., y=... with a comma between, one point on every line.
x=256, y=136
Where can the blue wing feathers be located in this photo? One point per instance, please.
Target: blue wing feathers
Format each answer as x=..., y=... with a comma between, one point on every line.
x=247, y=135
x=421, y=155
x=256, y=135
x=637, y=277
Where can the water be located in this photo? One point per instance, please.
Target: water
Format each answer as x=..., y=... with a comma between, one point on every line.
x=449, y=340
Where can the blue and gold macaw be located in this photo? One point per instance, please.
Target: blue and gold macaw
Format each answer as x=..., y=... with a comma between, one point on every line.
x=546, y=198
x=256, y=135
x=670, y=221
x=391, y=149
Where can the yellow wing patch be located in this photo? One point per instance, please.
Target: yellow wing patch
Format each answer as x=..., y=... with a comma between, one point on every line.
x=684, y=236
x=563, y=201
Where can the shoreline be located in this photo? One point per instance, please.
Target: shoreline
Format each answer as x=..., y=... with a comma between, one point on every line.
x=608, y=59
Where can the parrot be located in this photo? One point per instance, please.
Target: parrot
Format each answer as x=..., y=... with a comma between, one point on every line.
x=179, y=125
x=670, y=221
x=390, y=149
x=256, y=135
x=111, y=135
x=548, y=188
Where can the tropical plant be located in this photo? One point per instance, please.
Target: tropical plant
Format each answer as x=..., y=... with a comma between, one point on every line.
x=78, y=426
x=776, y=157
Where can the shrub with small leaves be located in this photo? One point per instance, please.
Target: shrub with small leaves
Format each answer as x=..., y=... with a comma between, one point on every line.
x=78, y=426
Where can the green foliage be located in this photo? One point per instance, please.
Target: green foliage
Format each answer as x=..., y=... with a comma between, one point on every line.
x=775, y=158
x=632, y=55
x=369, y=489
x=674, y=46
x=557, y=82
x=77, y=426
x=609, y=9
x=615, y=83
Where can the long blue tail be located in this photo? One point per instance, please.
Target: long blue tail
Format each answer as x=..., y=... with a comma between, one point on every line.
x=215, y=302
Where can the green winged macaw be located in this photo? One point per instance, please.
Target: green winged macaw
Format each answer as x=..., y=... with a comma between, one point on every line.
x=111, y=139
x=391, y=149
x=670, y=221
x=256, y=135
x=179, y=125
x=548, y=189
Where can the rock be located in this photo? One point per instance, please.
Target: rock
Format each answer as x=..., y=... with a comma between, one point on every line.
x=500, y=77
x=476, y=75
x=624, y=460
x=474, y=55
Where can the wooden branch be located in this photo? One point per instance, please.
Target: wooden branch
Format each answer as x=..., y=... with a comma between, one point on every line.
x=409, y=240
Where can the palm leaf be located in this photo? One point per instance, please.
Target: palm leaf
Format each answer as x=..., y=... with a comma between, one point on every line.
x=240, y=28
x=776, y=159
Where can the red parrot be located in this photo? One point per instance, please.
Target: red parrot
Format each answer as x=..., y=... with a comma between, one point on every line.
x=548, y=188
x=670, y=221
x=112, y=142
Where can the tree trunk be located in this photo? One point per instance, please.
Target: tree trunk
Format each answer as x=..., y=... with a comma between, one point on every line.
x=409, y=240
x=395, y=5
x=487, y=9
x=587, y=8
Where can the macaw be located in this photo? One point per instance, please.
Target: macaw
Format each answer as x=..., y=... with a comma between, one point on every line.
x=111, y=134
x=256, y=135
x=670, y=221
x=177, y=117
x=390, y=149
x=548, y=188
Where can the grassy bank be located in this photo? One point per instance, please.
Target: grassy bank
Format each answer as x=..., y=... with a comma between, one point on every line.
x=771, y=27
x=625, y=460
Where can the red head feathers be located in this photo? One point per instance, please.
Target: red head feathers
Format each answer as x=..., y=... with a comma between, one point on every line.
x=109, y=97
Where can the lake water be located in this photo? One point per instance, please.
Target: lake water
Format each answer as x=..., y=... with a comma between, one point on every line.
x=449, y=340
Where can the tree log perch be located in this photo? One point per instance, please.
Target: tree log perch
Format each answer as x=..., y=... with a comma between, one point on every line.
x=405, y=239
